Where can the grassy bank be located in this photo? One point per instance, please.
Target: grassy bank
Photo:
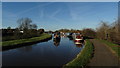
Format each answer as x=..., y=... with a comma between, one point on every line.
x=22, y=41
x=83, y=57
x=113, y=46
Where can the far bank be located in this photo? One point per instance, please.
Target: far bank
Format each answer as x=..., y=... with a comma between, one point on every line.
x=23, y=42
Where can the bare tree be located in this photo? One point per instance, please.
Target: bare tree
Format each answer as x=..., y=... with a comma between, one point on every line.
x=29, y=29
x=102, y=30
x=24, y=23
x=33, y=26
x=109, y=32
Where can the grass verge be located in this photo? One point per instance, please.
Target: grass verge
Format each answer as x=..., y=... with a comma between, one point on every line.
x=83, y=57
x=22, y=41
x=113, y=46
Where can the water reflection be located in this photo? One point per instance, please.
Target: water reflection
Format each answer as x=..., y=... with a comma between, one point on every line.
x=56, y=41
x=70, y=37
x=25, y=49
x=37, y=54
x=79, y=45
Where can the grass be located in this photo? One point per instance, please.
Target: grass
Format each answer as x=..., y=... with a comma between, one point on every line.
x=113, y=46
x=83, y=57
x=21, y=41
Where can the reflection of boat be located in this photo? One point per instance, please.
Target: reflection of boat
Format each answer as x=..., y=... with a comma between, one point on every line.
x=70, y=37
x=78, y=42
x=79, y=45
x=56, y=38
x=56, y=41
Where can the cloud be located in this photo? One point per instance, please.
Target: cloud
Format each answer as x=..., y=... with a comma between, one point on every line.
x=7, y=14
x=32, y=8
x=77, y=13
x=56, y=19
x=55, y=13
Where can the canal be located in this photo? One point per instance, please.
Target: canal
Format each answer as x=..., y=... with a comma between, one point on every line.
x=48, y=53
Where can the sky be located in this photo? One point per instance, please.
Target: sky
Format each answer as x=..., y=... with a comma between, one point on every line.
x=60, y=0
x=0, y=15
x=59, y=15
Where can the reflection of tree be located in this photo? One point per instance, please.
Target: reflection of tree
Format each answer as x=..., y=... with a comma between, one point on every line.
x=56, y=41
x=79, y=45
x=26, y=49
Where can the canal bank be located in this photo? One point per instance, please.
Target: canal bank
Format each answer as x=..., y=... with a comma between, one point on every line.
x=83, y=57
x=24, y=42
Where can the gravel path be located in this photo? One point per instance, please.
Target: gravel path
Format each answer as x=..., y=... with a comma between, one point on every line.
x=103, y=55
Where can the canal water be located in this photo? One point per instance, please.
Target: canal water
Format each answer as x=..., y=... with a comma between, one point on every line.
x=48, y=53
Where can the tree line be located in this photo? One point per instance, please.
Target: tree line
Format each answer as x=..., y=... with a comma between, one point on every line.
x=105, y=31
x=26, y=29
x=69, y=30
x=110, y=32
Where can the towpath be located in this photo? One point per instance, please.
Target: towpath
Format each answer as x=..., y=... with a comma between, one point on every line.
x=103, y=56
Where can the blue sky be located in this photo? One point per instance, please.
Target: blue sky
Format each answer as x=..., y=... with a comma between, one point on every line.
x=58, y=15
x=0, y=15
